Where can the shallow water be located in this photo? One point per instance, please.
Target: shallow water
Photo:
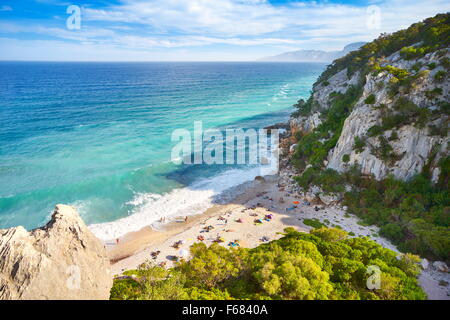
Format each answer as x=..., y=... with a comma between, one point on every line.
x=98, y=135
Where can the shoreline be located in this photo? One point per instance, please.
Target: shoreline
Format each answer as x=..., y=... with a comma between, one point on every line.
x=234, y=222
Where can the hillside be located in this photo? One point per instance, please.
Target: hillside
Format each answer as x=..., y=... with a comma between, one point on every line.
x=313, y=55
x=375, y=133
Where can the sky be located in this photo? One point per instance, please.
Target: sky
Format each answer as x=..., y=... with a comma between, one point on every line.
x=195, y=30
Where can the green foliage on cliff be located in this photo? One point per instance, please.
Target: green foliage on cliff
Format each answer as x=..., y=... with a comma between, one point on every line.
x=370, y=99
x=414, y=215
x=427, y=36
x=324, y=264
x=313, y=147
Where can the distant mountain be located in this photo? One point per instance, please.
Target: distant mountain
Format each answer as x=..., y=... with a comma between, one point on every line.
x=313, y=55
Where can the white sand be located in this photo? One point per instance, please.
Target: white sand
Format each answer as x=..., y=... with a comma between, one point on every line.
x=257, y=201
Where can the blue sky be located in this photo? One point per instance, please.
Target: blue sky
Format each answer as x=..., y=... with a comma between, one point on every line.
x=204, y=30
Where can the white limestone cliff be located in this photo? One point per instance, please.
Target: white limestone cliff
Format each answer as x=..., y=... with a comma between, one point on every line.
x=62, y=260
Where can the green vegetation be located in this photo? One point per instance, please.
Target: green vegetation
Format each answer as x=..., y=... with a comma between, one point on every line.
x=439, y=130
x=370, y=99
x=393, y=136
x=416, y=66
x=445, y=62
x=313, y=147
x=415, y=215
x=433, y=94
x=440, y=76
x=409, y=53
x=433, y=34
x=316, y=224
x=385, y=152
x=404, y=112
x=432, y=66
x=324, y=264
x=329, y=180
x=359, y=144
x=346, y=158
x=304, y=108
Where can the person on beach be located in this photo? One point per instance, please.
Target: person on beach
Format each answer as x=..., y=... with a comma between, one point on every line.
x=185, y=219
x=117, y=241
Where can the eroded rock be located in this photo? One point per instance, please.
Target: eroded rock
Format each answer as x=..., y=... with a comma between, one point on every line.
x=62, y=260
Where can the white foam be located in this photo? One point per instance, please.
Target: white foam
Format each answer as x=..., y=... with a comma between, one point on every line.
x=191, y=200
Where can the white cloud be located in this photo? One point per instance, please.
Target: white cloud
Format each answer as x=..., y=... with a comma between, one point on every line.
x=259, y=26
x=254, y=18
x=6, y=8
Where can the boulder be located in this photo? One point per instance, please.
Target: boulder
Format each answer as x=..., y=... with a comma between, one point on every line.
x=62, y=260
x=260, y=179
x=330, y=198
x=440, y=266
x=424, y=264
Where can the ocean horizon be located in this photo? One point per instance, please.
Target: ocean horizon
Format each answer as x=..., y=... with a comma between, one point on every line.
x=96, y=135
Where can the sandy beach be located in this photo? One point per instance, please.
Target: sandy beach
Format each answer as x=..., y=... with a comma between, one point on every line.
x=262, y=210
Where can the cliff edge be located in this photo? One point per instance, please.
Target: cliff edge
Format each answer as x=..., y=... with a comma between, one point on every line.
x=61, y=261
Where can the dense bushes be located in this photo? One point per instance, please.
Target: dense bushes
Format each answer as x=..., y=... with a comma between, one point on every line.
x=303, y=108
x=328, y=179
x=414, y=214
x=370, y=99
x=403, y=112
x=321, y=265
x=432, y=34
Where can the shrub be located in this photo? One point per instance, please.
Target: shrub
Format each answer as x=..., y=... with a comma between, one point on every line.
x=393, y=136
x=313, y=223
x=440, y=76
x=370, y=99
x=416, y=66
x=445, y=62
x=359, y=144
x=433, y=94
x=409, y=53
x=324, y=264
x=313, y=147
x=328, y=180
x=410, y=213
x=375, y=130
x=432, y=65
x=346, y=158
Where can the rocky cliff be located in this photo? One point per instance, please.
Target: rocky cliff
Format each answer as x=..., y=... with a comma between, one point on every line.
x=398, y=123
x=62, y=260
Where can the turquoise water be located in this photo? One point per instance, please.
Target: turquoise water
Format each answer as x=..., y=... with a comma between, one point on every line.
x=98, y=135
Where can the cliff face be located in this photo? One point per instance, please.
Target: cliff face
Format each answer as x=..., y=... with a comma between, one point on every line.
x=402, y=150
x=62, y=260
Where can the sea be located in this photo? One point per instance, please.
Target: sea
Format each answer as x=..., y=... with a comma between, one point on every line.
x=98, y=136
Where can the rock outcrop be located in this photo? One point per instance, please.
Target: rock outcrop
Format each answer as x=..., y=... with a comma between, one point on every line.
x=412, y=146
x=62, y=260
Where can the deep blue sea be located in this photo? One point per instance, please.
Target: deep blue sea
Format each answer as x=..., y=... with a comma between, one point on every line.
x=97, y=136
